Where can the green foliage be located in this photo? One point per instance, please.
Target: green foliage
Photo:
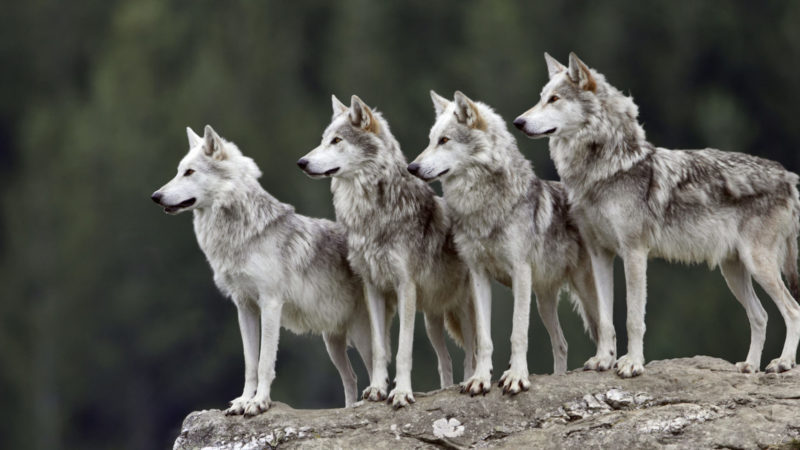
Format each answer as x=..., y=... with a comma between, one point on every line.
x=111, y=330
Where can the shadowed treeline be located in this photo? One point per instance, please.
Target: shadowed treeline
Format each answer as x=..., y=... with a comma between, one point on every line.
x=111, y=329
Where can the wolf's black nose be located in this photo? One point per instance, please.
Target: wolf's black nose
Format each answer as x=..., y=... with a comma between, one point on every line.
x=413, y=168
x=302, y=163
x=156, y=197
x=519, y=122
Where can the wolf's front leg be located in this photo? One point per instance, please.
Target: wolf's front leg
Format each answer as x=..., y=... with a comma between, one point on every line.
x=595, y=286
x=379, y=382
x=248, y=327
x=515, y=379
x=632, y=364
x=402, y=395
x=270, y=331
x=480, y=381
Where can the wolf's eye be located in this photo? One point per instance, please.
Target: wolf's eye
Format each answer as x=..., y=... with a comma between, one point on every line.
x=188, y=172
x=553, y=99
x=443, y=140
x=336, y=140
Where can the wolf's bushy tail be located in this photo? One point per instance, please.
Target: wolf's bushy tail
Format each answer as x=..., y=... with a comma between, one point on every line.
x=790, y=257
x=790, y=267
x=452, y=324
x=589, y=317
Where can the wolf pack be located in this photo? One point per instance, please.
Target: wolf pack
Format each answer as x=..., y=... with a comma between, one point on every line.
x=396, y=247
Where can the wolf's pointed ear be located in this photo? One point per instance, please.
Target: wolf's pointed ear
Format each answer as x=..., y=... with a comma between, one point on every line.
x=439, y=103
x=467, y=113
x=553, y=67
x=213, y=144
x=361, y=116
x=580, y=73
x=338, y=106
x=194, y=139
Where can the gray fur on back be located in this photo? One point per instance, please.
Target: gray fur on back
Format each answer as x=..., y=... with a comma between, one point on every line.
x=689, y=205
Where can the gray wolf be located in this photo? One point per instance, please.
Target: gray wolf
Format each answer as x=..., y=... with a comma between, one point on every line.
x=636, y=200
x=512, y=226
x=278, y=267
x=399, y=241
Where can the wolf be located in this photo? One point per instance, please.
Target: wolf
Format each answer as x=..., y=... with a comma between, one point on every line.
x=400, y=243
x=636, y=200
x=279, y=268
x=513, y=227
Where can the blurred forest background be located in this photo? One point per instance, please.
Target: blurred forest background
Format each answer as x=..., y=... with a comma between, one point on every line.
x=111, y=329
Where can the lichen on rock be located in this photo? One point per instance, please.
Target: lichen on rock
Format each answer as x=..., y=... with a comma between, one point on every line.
x=685, y=403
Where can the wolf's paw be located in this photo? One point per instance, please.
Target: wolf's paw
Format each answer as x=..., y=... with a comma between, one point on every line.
x=600, y=363
x=476, y=385
x=779, y=365
x=255, y=407
x=629, y=367
x=374, y=393
x=746, y=367
x=514, y=381
x=400, y=398
x=237, y=407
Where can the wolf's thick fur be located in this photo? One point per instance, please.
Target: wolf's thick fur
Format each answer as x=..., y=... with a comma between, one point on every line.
x=288, y=269
x=399, y=241
x=636, y=200
x=511, y=226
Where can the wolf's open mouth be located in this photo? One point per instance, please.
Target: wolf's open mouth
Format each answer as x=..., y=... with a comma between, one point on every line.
x=321, y=174
x=424, y=178
x=181, y=205
x=544, y=133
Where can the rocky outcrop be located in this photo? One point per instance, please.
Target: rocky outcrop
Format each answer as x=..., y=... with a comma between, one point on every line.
x=684, y=403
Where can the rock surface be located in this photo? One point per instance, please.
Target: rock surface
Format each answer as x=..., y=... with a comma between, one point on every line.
x=698, y=402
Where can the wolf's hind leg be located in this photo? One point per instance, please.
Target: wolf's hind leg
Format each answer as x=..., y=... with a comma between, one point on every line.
x=741, y=284
x=248, y=327
x=547, y=304
x=336, y=344
x=359, y=335
x=764, y=267
x=434, y=326
x=466, y=323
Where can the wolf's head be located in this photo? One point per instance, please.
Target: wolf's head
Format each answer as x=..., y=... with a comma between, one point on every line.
x=567, y=101
x=460, y=137
x=356, y=138
x=212, y=168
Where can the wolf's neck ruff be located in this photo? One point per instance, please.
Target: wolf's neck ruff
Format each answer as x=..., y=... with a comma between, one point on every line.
x=500, y=186
x=236, y=218
x=368, y=200
x=611, y=141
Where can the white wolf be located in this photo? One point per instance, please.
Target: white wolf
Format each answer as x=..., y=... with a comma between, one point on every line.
x=399, y=242
x=278, y=267
x=636, y=200
x=514, y=227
